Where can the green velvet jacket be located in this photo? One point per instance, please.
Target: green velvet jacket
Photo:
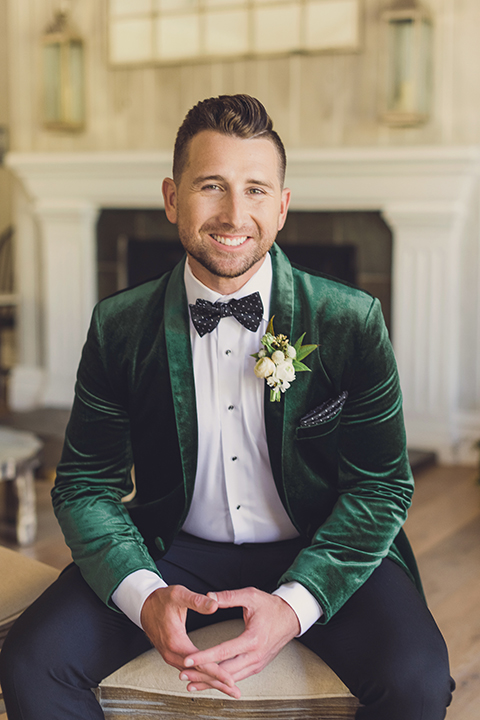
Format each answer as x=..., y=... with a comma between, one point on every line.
x=345, y=483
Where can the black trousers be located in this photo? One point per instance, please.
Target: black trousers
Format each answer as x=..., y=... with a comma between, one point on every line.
x=383, y=643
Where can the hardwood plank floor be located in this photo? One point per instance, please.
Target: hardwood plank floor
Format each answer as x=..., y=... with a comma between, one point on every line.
x=444, y=529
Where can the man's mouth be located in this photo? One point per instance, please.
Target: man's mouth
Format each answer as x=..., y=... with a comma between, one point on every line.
x=229, y=240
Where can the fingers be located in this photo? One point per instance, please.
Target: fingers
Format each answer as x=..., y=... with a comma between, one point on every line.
x=208, y=673
x=231, y=692
x=269, y=624
x=163, y=619
x=203, y=677
x=194, y=601
x=219, y=653
x=233, y=598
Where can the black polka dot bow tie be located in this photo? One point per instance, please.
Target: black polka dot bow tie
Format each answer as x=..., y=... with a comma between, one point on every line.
x=247, y=310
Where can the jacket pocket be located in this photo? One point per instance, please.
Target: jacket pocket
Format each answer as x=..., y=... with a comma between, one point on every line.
x=320, y=429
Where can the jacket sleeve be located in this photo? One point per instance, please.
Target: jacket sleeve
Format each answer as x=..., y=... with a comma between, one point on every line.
x=374, y=484
x=94, y=475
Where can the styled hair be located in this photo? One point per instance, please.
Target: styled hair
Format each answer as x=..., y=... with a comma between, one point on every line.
x=242, y=116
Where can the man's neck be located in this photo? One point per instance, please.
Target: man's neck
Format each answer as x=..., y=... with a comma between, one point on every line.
x=222, y=285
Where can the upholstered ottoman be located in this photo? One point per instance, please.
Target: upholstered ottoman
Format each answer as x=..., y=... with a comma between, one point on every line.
x=22, y=580
x=295, y=686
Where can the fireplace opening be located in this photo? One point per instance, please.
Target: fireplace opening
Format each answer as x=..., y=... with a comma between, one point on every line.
x=137, y=245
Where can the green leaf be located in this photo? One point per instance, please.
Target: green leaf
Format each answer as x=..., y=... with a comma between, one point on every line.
x=305, y=350
x=298, y=344
x=270, y=326
x=300, y=367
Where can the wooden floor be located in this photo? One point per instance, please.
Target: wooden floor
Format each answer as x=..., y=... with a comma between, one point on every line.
x=444, y=529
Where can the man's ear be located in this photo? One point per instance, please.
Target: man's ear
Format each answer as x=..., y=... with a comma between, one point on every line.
x=285, y=202
x=169, y=190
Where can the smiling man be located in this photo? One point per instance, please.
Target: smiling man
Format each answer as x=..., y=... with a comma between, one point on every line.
x=228, y=206
x=287, y=513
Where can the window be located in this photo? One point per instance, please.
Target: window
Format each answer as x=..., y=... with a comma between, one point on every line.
x=172, y=31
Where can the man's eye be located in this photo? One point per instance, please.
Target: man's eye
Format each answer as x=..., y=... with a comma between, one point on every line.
x=211, y=187
x=256, y=191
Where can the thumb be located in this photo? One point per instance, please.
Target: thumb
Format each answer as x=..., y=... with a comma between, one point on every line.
x=229, y=598
x=204, y=604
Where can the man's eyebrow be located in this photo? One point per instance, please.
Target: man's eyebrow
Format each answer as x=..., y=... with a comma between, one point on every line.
x=208, y=178
x=219, y=178
x=262, y=183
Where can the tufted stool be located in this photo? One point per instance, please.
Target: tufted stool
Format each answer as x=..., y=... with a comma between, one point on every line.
x=22, y=580
x=297, y=685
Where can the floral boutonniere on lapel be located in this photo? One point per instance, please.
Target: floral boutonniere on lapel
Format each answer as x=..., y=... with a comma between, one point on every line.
x=277, y=361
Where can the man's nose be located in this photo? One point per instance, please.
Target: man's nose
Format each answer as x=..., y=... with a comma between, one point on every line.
x=233, y=211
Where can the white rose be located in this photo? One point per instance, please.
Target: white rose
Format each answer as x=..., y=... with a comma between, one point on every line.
x=291, y=352
x=285, y=371
x=264, y=367
x=278, y=357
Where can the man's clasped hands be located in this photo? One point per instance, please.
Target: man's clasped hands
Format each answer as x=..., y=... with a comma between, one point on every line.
x=270, y=623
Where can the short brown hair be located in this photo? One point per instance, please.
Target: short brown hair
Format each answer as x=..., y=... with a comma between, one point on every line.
x=239, y=115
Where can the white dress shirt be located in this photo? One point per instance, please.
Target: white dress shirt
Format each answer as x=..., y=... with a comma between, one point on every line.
x=235, y=498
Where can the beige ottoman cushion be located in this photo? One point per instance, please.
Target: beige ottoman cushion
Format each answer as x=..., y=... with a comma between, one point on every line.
x=297, y=685
x=22, y=580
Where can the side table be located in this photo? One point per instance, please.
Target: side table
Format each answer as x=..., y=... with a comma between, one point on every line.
x=19, y=452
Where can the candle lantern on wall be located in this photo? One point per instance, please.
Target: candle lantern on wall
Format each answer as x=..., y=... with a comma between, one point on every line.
x=407, y=61
x=63, y=76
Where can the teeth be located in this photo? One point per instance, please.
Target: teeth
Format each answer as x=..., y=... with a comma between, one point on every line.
x=230, y=241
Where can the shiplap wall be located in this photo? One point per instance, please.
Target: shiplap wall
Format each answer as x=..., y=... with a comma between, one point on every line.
x=325, y=100
x=5, y=177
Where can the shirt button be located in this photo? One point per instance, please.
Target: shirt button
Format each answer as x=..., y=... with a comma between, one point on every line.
x=228, y=352
x=238, y=507
x=231, y=407
x=234, y=458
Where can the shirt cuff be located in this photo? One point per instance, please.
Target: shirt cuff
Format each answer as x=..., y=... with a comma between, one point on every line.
x=134, y=590
x=302, y=602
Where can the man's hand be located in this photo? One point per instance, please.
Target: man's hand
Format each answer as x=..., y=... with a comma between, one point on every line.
x=270, y=623
x=163, y=619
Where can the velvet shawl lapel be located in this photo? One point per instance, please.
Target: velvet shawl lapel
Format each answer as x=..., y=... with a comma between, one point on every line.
x=180, y=365
x=281, y=308
x=297, y=309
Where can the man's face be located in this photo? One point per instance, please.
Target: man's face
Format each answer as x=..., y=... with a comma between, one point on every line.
x=229, y=206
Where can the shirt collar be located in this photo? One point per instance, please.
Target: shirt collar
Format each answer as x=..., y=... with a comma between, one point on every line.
x=260, y=282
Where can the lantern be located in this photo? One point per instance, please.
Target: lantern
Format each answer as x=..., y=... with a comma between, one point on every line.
x=63, y=76
x=407, y=65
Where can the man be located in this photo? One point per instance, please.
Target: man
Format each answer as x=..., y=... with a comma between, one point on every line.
x=287, y=512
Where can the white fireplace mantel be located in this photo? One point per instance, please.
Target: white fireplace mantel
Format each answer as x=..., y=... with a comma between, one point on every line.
x=428, y=195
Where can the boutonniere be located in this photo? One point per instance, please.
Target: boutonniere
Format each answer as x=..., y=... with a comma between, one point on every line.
x=277, y=361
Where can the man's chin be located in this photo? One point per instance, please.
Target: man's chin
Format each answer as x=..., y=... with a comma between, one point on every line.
x=227, y=269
